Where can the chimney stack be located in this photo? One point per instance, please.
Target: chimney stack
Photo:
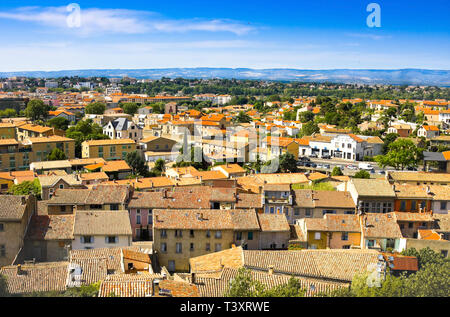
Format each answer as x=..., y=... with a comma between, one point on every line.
x=270, y=269
x=193, y=278
x=19, y=269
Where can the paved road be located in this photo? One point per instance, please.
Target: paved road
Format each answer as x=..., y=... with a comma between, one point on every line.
x=343, y=165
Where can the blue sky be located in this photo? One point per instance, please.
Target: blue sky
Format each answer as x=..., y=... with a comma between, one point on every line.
x=319, y=34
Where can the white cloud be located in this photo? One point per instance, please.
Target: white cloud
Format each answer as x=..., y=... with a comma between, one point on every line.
x=99, y=21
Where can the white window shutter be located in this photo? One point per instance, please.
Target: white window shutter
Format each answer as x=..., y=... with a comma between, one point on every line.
x=92, y=239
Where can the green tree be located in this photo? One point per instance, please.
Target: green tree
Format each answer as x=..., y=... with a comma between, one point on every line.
x=137, y=163
x=306, y=116
x=56, y=155
x=95, y=108
x=402, y=153
x=425, y=256
x=309, y=128
x=243, y=117
x=388, y=139
x=243, y=285
x=26, y=188
x=59, y=123
x=36, y=109
x=288, y=163
x=130, y=108
x=362, y=174
x=159, y=167
x=337, y=171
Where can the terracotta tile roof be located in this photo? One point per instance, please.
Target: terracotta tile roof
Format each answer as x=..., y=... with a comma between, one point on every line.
x=94, y=176
x=232, y=168
x=332, y=264
x=170, y=200
x=35, y=128
x=50, y=181
x=211, y=219
x=101, y=222
x=178, y=289
x=248, y=201
x=136, y=256
x=51, y=227
x=41, y=277
x=382, y=226
x=419, y=177
x=273, y=222
x=50, y=139
x=424, y=234
x=210, y=285
x=12, y=207
x=334, y=223
x=373, y=187
x=109, y=142
x=145, y=183
x=297, y=235
x=115, y=166
x=128, y=285
x=9, y=142
x=413, y=216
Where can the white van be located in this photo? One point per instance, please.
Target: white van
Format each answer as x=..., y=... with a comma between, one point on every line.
x=365, y=166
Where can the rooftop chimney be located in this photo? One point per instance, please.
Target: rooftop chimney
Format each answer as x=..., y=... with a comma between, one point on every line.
x=270, y=269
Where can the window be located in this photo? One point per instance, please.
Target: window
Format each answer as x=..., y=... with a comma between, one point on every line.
x=250, y=235
x=114, y=206
x=2, y=227
x=344, y=236
x=208, y=234
x=138, y=219
x=179, y=248
x=410, y=225
x=218, y=247
x=163, y=233
x=87, y=239
x=371, y=243
x=218, y=235
x=150, y=217
x=208, y=247
x=138, y=233
x=413, y=205
x=402, y=205
x=272, y=210
x=191, y=233
x=2, y=250
x=443, y=205
x=238, y=236
x=111, y=239
x=402, y=226
x=61, y=186
x=308, y=212
x=387, y=207
x=191, y=248
x=296, y=211
x=4, y=186
x=317, y=236
x=163, y=247
x=178, y=233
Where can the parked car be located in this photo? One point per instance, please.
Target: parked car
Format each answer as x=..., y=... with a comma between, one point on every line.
x=313, y=155
x=327, y=166
x=351, y=167
x=327, y=157
x=314, y=165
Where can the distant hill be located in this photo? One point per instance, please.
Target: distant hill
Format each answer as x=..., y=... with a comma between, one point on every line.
x=363, y=76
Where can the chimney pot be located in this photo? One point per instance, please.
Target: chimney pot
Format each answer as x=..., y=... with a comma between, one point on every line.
x=271, y=270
